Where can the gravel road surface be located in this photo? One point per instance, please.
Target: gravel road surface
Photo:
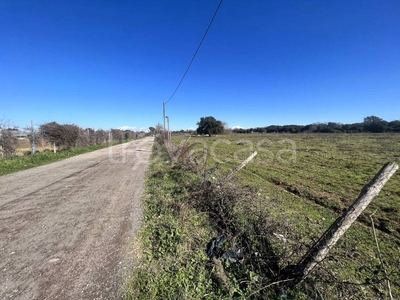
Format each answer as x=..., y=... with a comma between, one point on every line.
x=65, y=227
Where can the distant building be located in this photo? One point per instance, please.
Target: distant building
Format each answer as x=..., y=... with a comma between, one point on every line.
x=19, y=134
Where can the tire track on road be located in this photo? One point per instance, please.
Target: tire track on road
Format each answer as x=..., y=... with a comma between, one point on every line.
x=67, y=239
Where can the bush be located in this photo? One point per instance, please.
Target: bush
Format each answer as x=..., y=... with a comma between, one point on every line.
x=8, y=143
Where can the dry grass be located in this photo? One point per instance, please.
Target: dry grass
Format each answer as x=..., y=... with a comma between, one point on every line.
x=24, y=147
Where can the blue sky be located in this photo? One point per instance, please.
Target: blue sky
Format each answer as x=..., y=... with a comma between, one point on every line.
x=107, y=64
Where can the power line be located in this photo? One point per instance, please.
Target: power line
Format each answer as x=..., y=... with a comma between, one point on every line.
x=197, y=50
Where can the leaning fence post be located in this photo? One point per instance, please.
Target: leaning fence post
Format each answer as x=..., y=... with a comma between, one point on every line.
x=320, y=249
x=241, y=166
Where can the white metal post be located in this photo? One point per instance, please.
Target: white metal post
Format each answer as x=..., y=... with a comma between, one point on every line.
x=33, y=139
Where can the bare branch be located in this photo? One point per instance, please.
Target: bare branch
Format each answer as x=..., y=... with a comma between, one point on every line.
x=321, y=248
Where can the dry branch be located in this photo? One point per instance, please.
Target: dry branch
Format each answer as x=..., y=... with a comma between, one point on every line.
x=319, y=251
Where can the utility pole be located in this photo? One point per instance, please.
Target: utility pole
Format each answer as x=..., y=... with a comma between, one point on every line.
x=164, y=116
x=33, y=139
x=169, y=132
x=168, y=127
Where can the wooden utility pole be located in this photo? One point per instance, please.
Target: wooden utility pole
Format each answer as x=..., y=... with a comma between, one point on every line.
x=318, y=252
x=164, y=116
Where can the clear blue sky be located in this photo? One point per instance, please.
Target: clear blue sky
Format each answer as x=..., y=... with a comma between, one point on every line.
x=107, y=64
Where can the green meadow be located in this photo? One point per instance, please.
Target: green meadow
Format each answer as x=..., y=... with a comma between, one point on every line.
x=275, y=209
x=324, y=169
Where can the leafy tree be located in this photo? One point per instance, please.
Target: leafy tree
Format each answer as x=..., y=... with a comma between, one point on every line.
x=90, y=134
x=52, y=132
x=65, y=135
x=210, y=126
x=375, y=124
x=71, y=135
x=394, y=126
x=129, y=134
x=117, y=135
x=101, y=136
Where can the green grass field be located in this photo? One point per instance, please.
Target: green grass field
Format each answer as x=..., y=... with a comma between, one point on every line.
x=299, y=184
x=326, y=169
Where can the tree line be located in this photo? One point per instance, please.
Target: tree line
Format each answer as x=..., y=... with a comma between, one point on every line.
x=63, y=136
x=371, y=124
x=71, y=136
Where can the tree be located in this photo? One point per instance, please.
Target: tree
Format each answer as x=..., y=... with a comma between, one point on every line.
x=129, y=135
x=375, y=124
x=159, y=128
x=101, y=136
x=394, y=126
x=90, y=134
x=8, y=142
x=227, y=130
x=83, y=138
x=117, y=135
x=71, y=135
x=62, y=135
x=209, y=126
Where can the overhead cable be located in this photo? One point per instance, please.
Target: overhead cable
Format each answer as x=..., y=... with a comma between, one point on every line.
x=197, y=50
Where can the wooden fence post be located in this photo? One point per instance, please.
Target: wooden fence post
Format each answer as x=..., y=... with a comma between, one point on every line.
x=318, y=252
x=241, y=166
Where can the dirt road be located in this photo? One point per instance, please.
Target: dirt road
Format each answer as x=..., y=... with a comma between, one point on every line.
x=65, y=227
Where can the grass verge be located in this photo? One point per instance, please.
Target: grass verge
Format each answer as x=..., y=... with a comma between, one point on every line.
x=172, y=265
x=20, y=163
